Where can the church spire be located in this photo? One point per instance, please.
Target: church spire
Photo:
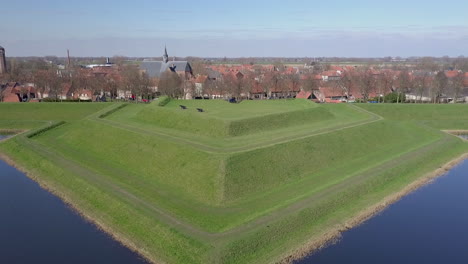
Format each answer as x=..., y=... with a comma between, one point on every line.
x=165, y=56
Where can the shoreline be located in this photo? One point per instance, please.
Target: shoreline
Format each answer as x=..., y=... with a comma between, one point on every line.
x=457, y=133
x=332, y=234
x=120, y=238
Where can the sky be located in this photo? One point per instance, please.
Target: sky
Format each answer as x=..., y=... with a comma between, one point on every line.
x=235, y=28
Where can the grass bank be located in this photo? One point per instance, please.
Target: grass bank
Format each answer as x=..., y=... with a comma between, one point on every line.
x=224, y=119
x=270, y=193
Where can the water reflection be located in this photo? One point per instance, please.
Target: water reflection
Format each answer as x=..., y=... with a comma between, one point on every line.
x=37, y=227
x=4, y=136
x=427, y=226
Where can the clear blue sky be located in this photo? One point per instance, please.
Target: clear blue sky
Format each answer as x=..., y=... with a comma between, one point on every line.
x=235, y=28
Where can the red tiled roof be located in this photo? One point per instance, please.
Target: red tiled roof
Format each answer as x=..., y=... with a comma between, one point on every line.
x=303, y=95
x=257, y=89
x=13, y=90
x=331, y=91
x=337, y=68
x=10, y=94
x=451, y=74
x=330, y=73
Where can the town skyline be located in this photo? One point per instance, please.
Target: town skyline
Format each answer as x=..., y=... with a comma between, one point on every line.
x=236, y=29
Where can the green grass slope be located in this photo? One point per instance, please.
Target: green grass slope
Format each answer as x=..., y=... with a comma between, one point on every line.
x=106, y=206
x=149, y=161
x=239, y=183
x=272, y=241
x=343, y=116
x=359, y=147
x=19, y=116
x=440, y=116
x=223, y=119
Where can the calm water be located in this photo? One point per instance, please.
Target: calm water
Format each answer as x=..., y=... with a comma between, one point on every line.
x=4, y=136
x=428, y=226
x=37, y=227
x=465, y=136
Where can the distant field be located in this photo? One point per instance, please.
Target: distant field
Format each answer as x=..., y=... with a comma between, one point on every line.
x=238, y=183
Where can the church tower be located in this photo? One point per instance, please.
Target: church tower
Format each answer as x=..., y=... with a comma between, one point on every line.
x=2, y=61
x=165, y=56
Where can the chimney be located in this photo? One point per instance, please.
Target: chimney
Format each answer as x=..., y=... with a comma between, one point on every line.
x=108, y=60
x=68, y=55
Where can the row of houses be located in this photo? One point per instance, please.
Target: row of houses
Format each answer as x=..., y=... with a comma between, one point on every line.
x=329, y=91
x=327, y=86
x=14, y=92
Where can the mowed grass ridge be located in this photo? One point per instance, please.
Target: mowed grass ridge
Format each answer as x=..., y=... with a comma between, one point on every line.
x=177, y=203
x=342, y=116
x=266, y=169
x=19, y=116
x=223, y=119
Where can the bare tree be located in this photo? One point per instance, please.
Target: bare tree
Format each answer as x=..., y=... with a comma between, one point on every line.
x=189, y=88
x=310, y=83
x=404, y=83
x=170, y=84
x=82, y=78
x=461, y=63
x=293, y=81
x=17, y=71
x=427, y=64
x=40, y=79
x=234, y=84
x=419, y=84
x=249, y=83
x=198, y=67
x=119, y=60
x=55, y=84
x=2, y=93
x=440, y=85
x=273, y=81
x=97, y=84
x=385, y=84
x=457, y=84
x=366, y=82
x=111, y=86
x=132, y=80
x=210, y=87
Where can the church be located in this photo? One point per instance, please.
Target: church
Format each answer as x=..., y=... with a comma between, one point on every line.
x=154, y=69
